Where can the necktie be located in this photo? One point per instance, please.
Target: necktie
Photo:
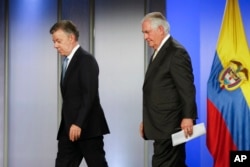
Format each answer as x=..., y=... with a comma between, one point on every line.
x=64, y=67
x=155, y=53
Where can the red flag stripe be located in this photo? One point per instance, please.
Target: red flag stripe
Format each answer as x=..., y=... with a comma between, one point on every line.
x=219, y=139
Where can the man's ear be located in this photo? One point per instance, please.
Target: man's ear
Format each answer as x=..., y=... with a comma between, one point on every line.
x=161, y=28
x=72, y=37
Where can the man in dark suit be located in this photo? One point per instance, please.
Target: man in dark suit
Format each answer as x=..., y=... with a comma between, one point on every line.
x=83, y=122
x=168, y=93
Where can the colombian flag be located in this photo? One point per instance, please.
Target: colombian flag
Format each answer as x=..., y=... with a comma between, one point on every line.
x=228, y=102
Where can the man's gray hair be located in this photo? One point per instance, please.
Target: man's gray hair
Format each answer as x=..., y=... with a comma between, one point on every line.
x=157, y=19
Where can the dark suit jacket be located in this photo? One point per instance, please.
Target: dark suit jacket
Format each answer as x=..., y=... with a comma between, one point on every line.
x=81, y=103
x=168, y=91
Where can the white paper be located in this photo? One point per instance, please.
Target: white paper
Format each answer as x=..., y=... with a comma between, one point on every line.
x=179, y=137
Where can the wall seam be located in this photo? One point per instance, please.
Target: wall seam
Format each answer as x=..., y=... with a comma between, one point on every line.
x=146, y=147
x=6, y=83
x=92, y=27
x=59, y=60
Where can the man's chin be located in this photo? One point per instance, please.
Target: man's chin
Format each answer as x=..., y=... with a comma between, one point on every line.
x=60, y=53
x=149, y=44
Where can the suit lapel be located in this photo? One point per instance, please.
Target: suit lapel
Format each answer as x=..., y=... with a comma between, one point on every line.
x=153, y=65
x=70, y=67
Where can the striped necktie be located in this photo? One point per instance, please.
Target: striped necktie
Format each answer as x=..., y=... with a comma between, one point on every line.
x=64, y=67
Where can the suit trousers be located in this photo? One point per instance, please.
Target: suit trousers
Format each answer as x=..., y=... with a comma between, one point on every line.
x=70, y=154
x=165, y=155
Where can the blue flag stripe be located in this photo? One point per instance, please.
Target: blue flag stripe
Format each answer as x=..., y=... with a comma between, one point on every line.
x=232, y=105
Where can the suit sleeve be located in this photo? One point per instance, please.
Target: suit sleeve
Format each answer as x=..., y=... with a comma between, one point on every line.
x=88, y=77
x=182, y=73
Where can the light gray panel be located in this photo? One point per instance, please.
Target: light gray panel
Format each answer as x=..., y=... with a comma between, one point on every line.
x=119, y=49
x=32, y=84
x=2, y=24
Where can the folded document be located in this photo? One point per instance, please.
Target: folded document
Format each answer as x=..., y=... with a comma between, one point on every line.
x=179, y=137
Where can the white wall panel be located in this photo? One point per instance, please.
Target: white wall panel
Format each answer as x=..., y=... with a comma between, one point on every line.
x=2, y=69
x=32, y=84
x=119, y=49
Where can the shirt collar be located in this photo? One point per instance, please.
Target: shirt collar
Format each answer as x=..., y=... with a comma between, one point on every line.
x=69, y=57
x=73, y=52
x=162, y=42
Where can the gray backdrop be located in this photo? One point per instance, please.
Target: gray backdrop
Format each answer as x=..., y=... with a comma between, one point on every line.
x=30, y=99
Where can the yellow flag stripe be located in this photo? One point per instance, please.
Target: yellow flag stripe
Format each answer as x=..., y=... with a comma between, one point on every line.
x=232, y=43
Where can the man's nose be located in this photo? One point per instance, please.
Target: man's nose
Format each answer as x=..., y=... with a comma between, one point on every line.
x=55, y=45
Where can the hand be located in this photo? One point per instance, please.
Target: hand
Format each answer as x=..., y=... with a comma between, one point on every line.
x=74, y=132
x=141, y=130
x=187, y=126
